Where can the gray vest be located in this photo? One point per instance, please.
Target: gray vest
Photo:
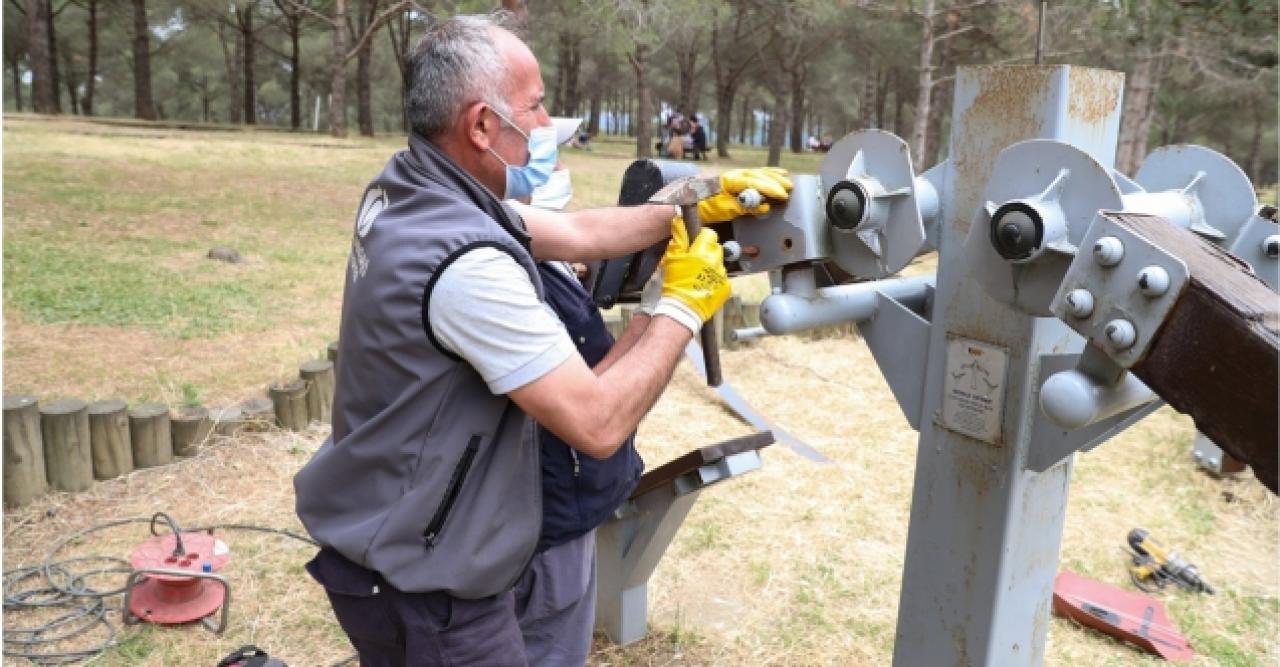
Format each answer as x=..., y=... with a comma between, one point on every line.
x=428, y=478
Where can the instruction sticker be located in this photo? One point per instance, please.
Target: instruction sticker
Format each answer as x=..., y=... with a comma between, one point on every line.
x=973, y=397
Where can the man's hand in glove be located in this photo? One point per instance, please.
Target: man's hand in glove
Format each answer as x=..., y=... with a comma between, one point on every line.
x=694, y=282
x=771, y=182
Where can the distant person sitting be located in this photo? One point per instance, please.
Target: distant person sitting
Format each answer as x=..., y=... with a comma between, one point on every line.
x=814, y=143
x=699, y=140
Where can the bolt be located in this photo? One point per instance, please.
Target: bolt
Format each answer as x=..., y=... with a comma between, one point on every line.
x=732, y=251
x=1271, y=246
x=750, y=251
x=1108, y=250
x=1121, y=334
x=1080, y=303
x=1153, y=281
x=1214, y=463
x=750, y=198
x=1197, y=455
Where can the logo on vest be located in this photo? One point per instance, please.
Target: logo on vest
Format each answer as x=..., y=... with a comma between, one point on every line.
x=375, y=201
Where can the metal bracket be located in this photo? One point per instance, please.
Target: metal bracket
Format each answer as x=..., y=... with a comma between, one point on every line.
x=1051, y=444
x=899, y=342
x=631, y=544
x=1109, y=296
x=138, y=576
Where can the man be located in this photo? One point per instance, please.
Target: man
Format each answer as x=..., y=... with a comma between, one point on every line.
x=426, y=498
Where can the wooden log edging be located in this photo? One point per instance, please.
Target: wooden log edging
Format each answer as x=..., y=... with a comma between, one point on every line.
x=319, y=376
x=152, y=435
x=290, y=399
x=191, y=429
x=109, y=439
x=68, y=458
x=24, y=468
x=258, y=413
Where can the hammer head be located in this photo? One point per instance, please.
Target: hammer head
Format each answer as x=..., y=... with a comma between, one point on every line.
x=686, y=191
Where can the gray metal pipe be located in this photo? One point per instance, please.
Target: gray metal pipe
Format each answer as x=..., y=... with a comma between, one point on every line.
x=788, y=313
x=748, y=333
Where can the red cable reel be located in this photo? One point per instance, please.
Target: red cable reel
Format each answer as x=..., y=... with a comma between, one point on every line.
x=174, y=579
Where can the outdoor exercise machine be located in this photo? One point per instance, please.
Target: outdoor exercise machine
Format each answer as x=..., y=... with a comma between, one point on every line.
x=1068, y=301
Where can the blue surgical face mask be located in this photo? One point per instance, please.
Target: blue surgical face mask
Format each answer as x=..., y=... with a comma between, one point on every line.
x=543, y=154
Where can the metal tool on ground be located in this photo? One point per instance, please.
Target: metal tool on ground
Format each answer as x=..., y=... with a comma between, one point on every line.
x=1131, y=617
x=1155, y=567
x=686, y=193
x=250, y=656
x=174, y=578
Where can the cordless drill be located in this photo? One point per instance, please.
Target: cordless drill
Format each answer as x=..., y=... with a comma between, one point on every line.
x=1154, y=567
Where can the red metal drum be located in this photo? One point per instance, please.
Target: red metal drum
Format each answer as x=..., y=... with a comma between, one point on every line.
x=174, y=599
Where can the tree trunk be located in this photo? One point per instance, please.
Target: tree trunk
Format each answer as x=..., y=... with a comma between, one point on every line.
x=724, y=120
x=204, y=98
x=1135, y=119
x=644, y=111
x=562, y=65
x=143, y=106
x=245, y=17
x=777, y=125
x=16, y=70
x=69, y=78
x=521, y=11
x=55, y=73
x=867, y=105
x=43, y=91
x=338, y=81
x=364, y=64
x=572, y=93
x=744, y=119
x=90, y=78
x=593, y=113
x=899, y=103
x=924, y=84
x=1255, y=144
x=799, y=75
x=295, y=74
x=686, y=66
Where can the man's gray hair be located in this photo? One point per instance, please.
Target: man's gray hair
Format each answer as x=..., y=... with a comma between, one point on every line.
x=455, y=64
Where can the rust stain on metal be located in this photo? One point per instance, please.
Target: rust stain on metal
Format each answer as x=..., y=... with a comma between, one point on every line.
x=1000, y=115
x=1095, y=93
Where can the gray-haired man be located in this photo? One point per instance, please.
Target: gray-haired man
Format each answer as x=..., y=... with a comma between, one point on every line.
x=426, y=497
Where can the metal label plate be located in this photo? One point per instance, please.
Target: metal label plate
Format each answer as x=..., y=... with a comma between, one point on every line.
x=973, y=390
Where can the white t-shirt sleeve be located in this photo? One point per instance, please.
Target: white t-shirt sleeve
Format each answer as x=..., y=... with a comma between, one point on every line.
x=485, y=309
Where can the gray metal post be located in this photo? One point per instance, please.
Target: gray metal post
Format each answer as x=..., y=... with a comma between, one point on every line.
x=985, y=530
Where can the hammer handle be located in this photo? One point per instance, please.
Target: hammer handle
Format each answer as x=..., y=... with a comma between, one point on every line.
x=710, y=343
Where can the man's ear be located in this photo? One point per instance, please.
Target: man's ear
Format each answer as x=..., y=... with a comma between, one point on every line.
x=479, y=126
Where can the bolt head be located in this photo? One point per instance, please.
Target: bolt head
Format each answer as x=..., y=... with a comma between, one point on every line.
x=1271, y=246
x=1014, y=233
x=1153, y=281
x=1079, y=303
x=1120, y=333
x=1108, y=251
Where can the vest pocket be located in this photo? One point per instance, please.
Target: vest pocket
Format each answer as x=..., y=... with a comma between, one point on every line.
x=432, y=533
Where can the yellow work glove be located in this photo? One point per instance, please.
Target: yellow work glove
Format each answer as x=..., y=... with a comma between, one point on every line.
x=770, y=182
x=694, y=282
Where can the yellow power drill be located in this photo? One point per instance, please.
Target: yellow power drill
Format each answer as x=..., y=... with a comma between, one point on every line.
x=1154, y=567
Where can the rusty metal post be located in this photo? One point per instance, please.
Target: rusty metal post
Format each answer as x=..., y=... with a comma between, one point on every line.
x=982, y=547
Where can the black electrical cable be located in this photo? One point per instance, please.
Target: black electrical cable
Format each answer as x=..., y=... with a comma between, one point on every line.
x=86, y=607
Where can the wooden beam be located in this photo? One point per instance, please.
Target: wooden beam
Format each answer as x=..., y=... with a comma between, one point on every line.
x=1217, y=354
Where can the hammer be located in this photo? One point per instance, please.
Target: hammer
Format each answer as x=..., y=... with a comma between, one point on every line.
x=686, y=193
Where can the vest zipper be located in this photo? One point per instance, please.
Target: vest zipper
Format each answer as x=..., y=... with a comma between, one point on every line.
x=432, y=533
x=577, y=465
